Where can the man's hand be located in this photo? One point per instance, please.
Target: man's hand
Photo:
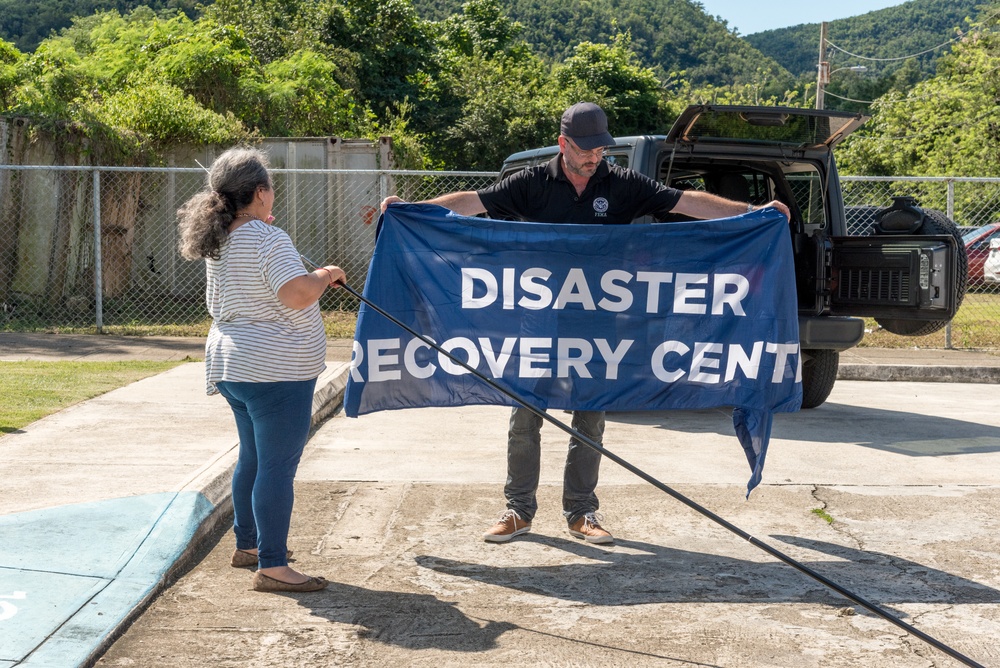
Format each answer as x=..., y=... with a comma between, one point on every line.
x=465, y=203
x=391, y=199
x=780, y=206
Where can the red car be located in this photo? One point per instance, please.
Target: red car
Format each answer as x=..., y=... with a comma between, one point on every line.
x=977, y=248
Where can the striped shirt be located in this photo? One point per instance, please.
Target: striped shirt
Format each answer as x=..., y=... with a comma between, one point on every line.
x=254, y=337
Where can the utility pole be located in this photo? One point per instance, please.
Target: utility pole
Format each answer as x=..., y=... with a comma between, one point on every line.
x=823, y=68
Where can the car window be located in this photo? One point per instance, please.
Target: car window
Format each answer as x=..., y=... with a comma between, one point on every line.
x=513, y=169
x=620, y=159
x=736, y=182
x=971, y=236
x=807, y=188
x=754, y=125
x=984, y=243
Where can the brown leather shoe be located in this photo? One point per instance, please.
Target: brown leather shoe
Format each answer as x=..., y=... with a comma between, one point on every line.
x=509, y=525
x=264, y=583
x=589, y=528
x=244, y=559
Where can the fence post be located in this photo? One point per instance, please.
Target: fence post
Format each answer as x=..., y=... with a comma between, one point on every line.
x=951, y=199
x=385, y=146
x=98, y=271
x=950, y=211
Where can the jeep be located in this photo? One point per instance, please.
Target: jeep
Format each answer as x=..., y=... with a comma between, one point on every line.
x=902, y=265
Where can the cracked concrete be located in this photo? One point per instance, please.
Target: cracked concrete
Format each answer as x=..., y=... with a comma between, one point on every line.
x=391, y=508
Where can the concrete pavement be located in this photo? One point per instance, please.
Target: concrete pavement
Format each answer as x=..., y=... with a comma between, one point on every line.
x=110, y=501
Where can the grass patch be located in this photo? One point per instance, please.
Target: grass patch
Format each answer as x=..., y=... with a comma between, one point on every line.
x=31, y=390
x=974, y=327
x=822, y=514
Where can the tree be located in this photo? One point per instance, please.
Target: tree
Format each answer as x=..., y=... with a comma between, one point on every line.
x=392, y=44
x=610, y=75
x=273, y=28
x=302, y=98
x=486, y=95
x=10, y=57
x=946, y=125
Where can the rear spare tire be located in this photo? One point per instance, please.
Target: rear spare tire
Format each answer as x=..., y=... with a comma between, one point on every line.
x=935, y=222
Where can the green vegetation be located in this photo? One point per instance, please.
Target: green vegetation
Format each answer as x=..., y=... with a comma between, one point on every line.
x=31, y=390
x=877, y=34
x=459, y=85
x=946, y=125
x=973, y=327
x=27, y=22
x=822, y=514
x=672, y=37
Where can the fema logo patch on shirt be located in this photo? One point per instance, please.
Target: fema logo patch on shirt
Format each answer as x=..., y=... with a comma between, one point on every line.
x=600, y=207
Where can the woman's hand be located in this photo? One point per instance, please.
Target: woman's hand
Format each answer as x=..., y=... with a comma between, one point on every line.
x=337, y=275
x=303, y=291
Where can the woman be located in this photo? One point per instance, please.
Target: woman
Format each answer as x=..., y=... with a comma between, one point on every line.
x=264, y=351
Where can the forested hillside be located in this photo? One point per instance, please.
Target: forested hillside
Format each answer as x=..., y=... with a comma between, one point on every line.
x=905, y=29
x=463, y=90
x=667, y=35
x=26, y=23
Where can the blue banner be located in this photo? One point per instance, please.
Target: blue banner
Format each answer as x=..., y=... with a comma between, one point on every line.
x=685, y=315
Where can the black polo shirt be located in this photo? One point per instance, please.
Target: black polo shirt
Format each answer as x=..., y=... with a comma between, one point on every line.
x=543, y=194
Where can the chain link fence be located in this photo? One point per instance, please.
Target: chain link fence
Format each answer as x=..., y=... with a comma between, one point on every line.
x=84, y=248
x=58, y=225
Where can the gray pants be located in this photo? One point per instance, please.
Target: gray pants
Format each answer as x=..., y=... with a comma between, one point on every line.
x=524, y=463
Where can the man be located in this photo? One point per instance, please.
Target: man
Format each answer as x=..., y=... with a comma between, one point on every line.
x=576, y=186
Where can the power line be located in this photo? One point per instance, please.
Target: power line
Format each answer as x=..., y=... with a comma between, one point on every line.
x=983, y=20
x=849, y=99
x=887, y=60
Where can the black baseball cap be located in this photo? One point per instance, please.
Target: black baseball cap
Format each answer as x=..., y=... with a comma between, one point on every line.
x=587, y=125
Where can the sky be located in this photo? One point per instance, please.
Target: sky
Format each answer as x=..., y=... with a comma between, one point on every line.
x=750, y=16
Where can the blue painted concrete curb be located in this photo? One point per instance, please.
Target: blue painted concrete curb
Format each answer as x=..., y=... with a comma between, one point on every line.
x=124, y=549
x=91, y=568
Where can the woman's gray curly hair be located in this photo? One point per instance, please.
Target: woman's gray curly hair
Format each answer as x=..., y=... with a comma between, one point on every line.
x=232, y=183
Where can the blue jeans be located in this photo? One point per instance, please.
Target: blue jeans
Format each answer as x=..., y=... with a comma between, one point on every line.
x=272, y=420
x=524, y=462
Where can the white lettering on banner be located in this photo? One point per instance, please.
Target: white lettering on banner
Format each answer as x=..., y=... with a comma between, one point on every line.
x=653, y=279
x=610, y=284
x=531, y=285
x=704, y=358
x=686, y=293
x=497, y=363
x=613, y=357
x=380, y=364
x=748, y=365
x=532, y=354
x=671, y=361
x=539, y=289
x=567, y=360
x=575, y=291
x=410, y=360
x=783, y=350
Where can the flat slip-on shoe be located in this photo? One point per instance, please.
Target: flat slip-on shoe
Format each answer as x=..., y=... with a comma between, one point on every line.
x=244, y=559
x=264, y=583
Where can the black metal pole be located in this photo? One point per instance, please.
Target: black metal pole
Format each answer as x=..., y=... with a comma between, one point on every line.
x=675, y=494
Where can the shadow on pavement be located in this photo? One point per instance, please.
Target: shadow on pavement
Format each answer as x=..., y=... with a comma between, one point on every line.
x=636, y=573
x=900, y=432
x=413, y=621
